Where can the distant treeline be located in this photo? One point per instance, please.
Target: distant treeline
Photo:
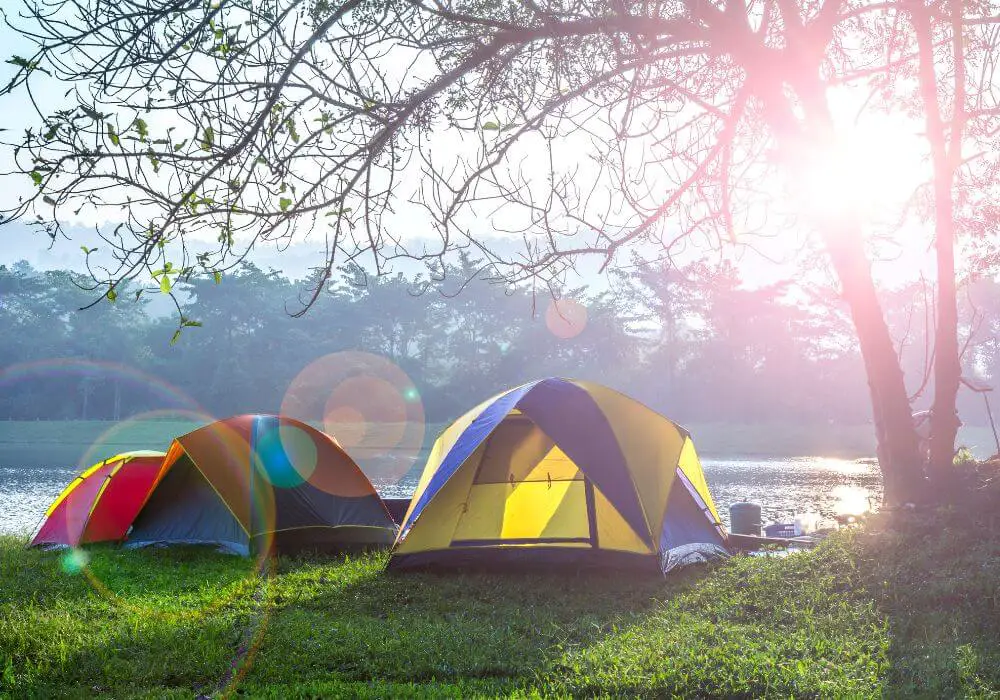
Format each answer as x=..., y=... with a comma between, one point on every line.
x=693, y=342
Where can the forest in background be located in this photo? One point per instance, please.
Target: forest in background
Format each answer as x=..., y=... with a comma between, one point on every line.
x=694, y=342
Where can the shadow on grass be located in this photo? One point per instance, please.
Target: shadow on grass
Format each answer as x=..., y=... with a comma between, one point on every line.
x=935, y=575
x=188, y=620
x=356, y=623
x=30, y=576
x=156, y=617
x=907, y=608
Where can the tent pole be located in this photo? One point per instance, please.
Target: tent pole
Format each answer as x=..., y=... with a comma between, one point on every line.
x=588, y=490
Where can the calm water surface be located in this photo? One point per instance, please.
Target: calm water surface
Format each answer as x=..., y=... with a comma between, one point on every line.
x=783, y=487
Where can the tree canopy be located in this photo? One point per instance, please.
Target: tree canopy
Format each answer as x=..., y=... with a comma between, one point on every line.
x=696, y=343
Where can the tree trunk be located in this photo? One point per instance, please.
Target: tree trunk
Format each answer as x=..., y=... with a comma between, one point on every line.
x=947, y=365
x=897, y=444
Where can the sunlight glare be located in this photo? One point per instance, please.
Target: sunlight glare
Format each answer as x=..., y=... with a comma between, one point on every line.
x=851, y=500
x=869, y=171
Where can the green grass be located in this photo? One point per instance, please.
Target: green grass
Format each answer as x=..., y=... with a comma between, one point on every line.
x=908, y=608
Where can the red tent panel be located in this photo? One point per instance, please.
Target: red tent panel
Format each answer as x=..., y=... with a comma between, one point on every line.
x=65, y=523
x=120, y=502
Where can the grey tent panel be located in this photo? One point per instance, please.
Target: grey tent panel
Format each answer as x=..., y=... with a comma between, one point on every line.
x=185, y=509
x=686, y=522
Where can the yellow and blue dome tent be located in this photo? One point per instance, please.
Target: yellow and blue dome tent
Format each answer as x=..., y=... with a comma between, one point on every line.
x=559, y=471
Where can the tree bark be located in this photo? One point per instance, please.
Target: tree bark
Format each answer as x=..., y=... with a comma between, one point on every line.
x=897, y=445
x=945, y=145
x=947, y=367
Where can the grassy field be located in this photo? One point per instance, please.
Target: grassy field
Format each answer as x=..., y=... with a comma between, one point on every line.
x=907, y=608
x=69, y=443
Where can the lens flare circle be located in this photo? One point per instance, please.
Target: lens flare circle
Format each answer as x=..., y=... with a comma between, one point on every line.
x=367, y=414
x=368, y=404
x=287, y=456
x=74, y=561
x=150, y=430
x=565, y=318
x=102, y=374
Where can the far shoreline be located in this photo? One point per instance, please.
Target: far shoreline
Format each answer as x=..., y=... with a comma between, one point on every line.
x=73, y=443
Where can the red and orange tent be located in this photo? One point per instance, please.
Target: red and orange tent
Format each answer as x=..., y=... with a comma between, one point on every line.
x=252, y=483
x=102, y=502
x=258, y=483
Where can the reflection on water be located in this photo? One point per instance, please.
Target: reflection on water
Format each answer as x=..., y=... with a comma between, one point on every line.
x=784, y=487
x=789, y=486
x=26, y=493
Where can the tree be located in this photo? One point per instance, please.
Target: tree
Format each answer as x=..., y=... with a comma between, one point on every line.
x=600, y=126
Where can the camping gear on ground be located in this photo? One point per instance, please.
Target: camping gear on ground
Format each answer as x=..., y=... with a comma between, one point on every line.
x=806, y=523
x=100, y=504
x=259, y=483
x=802, y=524
x=780, y=530
x=744, y=518
x=559, y=471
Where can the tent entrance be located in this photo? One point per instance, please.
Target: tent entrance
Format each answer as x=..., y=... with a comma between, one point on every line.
x=185, y=509
x=527, y=491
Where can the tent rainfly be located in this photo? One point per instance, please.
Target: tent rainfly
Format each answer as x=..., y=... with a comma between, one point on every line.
x=560, y=471
x=259, y=483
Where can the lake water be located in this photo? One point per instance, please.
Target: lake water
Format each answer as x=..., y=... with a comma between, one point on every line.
x=784, y=487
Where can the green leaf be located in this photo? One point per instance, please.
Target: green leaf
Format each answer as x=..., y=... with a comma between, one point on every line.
x=191, y=324
x=86, y=250
x=165, y=284
x=113, y=135
x=217, y=276
x=491, y=126
x=142, y=128
x=208, y=140
x=284, y=203
x=338, y=212
x=176, y=336
x=180, y=145
x=112, y=295
x=36, y=177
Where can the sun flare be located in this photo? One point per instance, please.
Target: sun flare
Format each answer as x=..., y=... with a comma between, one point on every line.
x=869, y=170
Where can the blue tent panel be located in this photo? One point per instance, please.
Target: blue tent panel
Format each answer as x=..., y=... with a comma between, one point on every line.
x=569, y=415
x=470, y=439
